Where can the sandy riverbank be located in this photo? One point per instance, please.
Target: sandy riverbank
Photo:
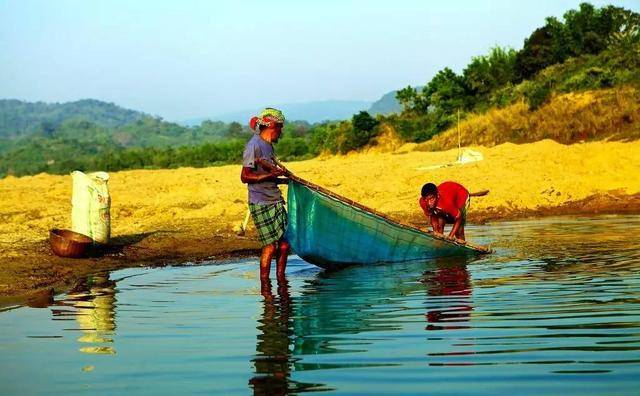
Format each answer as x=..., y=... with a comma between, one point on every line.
x=173, y=216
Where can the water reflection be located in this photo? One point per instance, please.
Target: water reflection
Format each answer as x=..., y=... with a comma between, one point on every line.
x=273, y=361
x=92, y=305
x=449, y=278
x=550, y=311
x=337, y=309
x=554, y=250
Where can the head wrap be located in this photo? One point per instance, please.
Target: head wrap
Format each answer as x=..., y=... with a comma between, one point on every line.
x=268, y=117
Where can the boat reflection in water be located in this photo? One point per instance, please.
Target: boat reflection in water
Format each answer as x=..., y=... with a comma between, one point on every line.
x=345, y=314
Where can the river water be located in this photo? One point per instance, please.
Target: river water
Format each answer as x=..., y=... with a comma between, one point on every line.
x=555, y=310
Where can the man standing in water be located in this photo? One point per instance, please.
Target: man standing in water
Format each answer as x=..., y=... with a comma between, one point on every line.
x=446, y=204
x=262, y=176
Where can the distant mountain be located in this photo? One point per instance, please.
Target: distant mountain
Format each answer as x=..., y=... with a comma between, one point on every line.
x=18, y=118
x=307, y=111
x=386, y=104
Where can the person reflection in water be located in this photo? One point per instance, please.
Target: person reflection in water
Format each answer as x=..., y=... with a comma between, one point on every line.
x=448, y=280
x=273, y=361
x=273, y=358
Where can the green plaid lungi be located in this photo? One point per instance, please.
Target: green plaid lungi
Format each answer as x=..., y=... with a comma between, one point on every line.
x=270, y=220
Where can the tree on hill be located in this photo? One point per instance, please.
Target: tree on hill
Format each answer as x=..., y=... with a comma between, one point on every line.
x=487, y=73
x=364, y=122
x=235, y=130
x=446, y=91
x=587, y=30
x=412, y=101
x=538, y=53
x=296, y=128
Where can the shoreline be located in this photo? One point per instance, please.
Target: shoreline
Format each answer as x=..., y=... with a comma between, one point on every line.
x=38, y=274
x=172, y=216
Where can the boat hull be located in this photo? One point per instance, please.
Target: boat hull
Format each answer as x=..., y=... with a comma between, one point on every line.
x=330, y=233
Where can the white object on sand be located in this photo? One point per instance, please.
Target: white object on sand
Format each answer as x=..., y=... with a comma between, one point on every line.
x=469, y=155
x=465, y=157
x=90, y=205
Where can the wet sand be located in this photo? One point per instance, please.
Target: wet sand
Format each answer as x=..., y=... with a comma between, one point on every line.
x=162, y=217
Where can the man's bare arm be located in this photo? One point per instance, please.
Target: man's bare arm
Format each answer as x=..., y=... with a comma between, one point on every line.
x=249, y=176
x=456, y=225
x=435, y=226
x=278, y=170
x=270, y=167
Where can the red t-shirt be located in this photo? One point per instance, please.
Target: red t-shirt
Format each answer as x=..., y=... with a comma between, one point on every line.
x=452, y=197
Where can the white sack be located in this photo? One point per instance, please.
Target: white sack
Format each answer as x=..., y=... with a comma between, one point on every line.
x=90, y=205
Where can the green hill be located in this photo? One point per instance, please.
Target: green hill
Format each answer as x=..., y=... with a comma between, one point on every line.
x=589, y=49
x=18, y=118
x=147, y=142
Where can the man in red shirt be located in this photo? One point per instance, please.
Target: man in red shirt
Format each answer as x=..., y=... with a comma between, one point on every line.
x=446, y=204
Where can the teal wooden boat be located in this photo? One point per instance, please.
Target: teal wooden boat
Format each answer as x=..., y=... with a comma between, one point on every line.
x=332, y=231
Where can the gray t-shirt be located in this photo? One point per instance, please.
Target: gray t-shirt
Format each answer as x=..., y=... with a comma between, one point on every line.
x=267, y=191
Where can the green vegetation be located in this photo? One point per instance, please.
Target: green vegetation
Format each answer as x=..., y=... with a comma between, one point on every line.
x=588, y=30
x=590, y=49
x=19, y=118
x=145, y=143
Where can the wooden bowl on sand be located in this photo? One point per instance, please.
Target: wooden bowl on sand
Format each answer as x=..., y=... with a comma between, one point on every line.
x=67, y=243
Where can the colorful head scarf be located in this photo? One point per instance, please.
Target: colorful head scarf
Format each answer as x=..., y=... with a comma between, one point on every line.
x=268, y=117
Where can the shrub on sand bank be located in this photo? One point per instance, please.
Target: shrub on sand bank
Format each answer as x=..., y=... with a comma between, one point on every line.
x=567, y=118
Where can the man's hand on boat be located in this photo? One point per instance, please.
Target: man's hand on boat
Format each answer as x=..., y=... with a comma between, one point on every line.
x=278, y=173
x=453, y=238
x=447, y=237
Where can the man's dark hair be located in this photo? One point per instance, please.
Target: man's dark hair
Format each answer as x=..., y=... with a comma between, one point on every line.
x=429, y=189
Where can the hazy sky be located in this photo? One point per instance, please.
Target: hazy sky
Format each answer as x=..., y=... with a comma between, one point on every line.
x=186, y=59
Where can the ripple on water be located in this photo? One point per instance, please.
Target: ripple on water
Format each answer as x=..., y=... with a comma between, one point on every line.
x=556, y=310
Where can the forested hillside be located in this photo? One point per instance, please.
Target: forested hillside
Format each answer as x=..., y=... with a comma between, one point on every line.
x=18, y=118
x=590, y=49
x=149, y=142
